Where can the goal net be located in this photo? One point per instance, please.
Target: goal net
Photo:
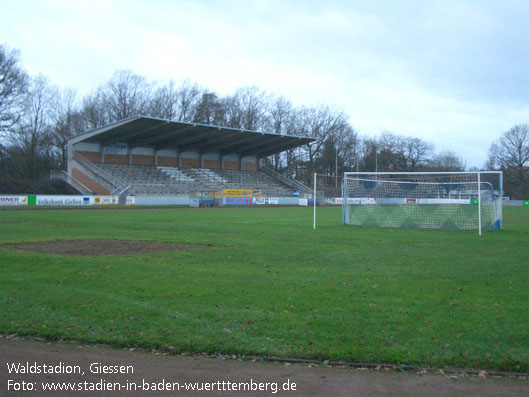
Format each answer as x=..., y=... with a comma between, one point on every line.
x=449, y=200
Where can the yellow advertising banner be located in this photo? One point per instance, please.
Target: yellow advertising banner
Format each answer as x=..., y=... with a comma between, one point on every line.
x=241, y=193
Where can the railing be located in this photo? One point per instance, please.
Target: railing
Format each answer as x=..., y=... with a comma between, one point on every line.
x=64, y=176
x=122, y=194
x=209, y=177
x=111, y=182
x=176, y=175
x=296, y=185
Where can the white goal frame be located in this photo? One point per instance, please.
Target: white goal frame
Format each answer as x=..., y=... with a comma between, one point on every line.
x=382, y=175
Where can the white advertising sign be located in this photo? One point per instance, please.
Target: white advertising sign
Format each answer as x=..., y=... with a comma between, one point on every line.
x=442, y=201
x=63, y=200
x=105, y=200
x=361, y=200
x=13, y=200
x=303, y=202
x=259, y=200
x=115, y=148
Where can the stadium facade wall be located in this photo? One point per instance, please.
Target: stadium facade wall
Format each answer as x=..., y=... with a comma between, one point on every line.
x=88, y=147
x=249, y=163
x=141, y=159
x=115, y=159
x=249, y=166
x=167, y=153
x=167, y=161
x=189, y=160
x=169, y=157
x=143, y=151
x=94, y=157
x=211, y=164
x=189, y=163
x=231, y=165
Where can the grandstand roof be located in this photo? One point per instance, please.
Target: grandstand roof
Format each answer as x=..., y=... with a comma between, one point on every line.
x=159, y=133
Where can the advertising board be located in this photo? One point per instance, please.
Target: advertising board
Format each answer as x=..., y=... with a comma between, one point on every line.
x=13, y=200
x=105, y=200
x=62, y=200
x=237, y=201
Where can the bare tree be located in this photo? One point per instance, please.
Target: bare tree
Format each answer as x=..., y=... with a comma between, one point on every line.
x=254, y=105
x=67, y=121
x=93, y=110
x=279, y=119
x=416, y=152
x=402, y=153
x=446, y=161
x=210, y=110
x=164, y=102
x=175, y=103
x=33, y=137
x=232, y=112
x=369, y=154
x=347, y=144
x=512, y=149
x=13, y=85
x=511, y=153
x=390, y=152
x=126, y=95
x=321, y=123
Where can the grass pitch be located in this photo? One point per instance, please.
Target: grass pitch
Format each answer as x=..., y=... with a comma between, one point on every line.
x=270, y=285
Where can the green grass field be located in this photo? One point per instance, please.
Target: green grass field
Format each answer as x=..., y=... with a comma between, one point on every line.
x=270, y=285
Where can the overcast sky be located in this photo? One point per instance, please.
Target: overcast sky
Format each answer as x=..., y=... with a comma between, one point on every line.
x=455, y=73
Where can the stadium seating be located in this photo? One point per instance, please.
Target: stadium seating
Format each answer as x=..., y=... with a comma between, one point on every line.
x=144, y=179
x=254, y=180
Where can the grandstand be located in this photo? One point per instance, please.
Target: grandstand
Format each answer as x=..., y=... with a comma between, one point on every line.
x=148, y=156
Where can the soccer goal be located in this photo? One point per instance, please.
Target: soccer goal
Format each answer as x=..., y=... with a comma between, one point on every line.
x=433, y=200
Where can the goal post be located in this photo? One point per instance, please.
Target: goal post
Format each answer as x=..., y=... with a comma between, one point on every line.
x=433, y=200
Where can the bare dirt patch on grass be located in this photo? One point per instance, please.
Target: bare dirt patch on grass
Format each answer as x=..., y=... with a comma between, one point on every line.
x=100, y=247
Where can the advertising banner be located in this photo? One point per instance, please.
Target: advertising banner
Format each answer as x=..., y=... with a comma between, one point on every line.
x=361, y=200
x=303, y=202
x=62, y=200
x=445, y=201
x=259, y=201
x=105, y=200
x=115, y=148
x=237, y=201
x=242, y=193
x=525, y=202
x=272, y=200
x=131, y=200
x=13, y=200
